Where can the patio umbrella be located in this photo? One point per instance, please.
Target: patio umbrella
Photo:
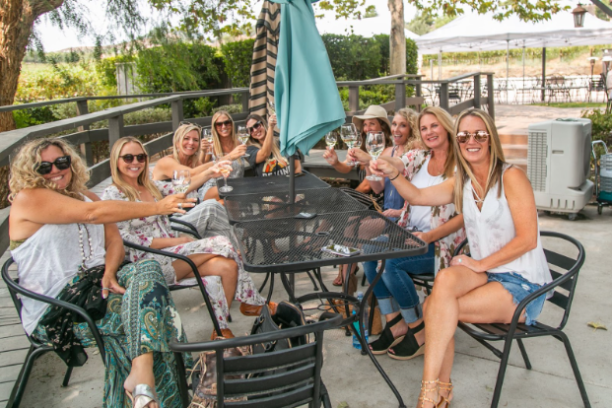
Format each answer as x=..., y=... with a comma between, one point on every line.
x=307, y=101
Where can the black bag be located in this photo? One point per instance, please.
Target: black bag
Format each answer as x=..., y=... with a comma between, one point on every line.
x=287, y=315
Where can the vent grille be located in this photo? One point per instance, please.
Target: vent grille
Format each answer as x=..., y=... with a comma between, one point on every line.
x=536, y=160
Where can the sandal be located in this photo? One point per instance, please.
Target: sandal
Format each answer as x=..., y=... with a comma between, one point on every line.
x=386, y=339
x=423, y=398
x=142, y=396
x=408, y=348
x=445, y=401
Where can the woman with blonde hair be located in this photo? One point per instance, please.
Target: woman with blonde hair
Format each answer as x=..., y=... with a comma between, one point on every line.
x=214, y=256
x=507, y=261
x=67, y=246
x=264, y=154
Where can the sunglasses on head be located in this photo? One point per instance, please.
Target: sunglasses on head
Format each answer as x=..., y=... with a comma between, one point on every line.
x=129, y=158
x=480, y=136
x=256, y=126
x=221, y=124
x=61, y=163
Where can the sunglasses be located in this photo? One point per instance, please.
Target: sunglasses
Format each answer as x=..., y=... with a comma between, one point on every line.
x=480, y=136
x=129, y=158
x=61, y=163
x=226, y=123
x=256, y=126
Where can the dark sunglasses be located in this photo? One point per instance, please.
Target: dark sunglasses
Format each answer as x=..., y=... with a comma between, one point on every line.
x=61, y=163
x=129, y=158
x=256, y=126
x=221, y=124
x=480, y=136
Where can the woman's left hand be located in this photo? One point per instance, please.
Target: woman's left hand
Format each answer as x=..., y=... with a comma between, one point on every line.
x=215, y=171
x=464, y=260
x=110, y=284
x=423, y=236
x=272, y=121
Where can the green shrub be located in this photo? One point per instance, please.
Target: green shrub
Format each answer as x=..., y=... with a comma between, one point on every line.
x=601, y=126
x=31, y=117
x=237, y=58
x=353, y=57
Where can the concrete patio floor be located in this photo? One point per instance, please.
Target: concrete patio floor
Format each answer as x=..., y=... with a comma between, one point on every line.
x=352, y=378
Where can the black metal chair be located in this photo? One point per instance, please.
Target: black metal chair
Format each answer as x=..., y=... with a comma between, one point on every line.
x=297, y=384
x=185, y=227
x=195, y=271
x=38, y=348
x=564, y=270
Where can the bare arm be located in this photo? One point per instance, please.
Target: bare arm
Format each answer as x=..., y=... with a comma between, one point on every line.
x=213, y=171
x=452, y=225
x=266, y=148
x=161, y=243
x=166, y=166
x=298, y=166
x=524, y=215
x=378, y=186
x=439, y=194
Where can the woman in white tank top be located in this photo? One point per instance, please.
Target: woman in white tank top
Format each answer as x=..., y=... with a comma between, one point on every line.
x=507, y=261
x=62, y=234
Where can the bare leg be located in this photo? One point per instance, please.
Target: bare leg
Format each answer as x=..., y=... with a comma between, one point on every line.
x=141, y=373
x=211, y=265
x=212, y=194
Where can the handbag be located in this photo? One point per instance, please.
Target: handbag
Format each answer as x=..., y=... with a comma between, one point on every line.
x=287, y=315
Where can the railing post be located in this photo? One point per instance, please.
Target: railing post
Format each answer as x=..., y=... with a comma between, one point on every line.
x=419, y=93
x=400, y=96
x=177, y=113
x=86, y=152
x=491, y=95
x=115, y=130
x=444, y=102
x=477, y=101
x=245, y=101
x=353, y=98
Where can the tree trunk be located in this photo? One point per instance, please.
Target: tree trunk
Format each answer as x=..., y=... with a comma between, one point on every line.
x=16, y=22
x=397, y=39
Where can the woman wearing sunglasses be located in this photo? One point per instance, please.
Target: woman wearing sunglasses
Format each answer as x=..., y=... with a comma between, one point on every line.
x=507, y=261
x=67, y=246
x=214, y=256
x=264, y=153
x=438, y=226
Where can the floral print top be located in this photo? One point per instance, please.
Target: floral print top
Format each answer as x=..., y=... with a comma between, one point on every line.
x=445, y=247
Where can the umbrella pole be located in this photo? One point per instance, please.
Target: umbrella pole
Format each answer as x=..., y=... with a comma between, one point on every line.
x=291, y=180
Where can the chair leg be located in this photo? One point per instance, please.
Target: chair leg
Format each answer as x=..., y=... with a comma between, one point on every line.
x=363, y=280
x=24, y=375
x=67, y=377
x=501, y=374
x=572, y=359
x=524, y=354
x=314, y=282
x=263, y=285
x=182, y=380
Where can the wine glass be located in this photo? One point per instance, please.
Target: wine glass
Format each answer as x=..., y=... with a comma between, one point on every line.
x=207, y=136
x=181, y=180
x=348, y=133
x=225, y=171
x=357, y=145
x=330, y=140
x=243, y=136
x=375, y=144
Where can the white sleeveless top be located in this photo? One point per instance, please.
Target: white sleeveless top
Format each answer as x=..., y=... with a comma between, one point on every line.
x=49, y=259
x=491, y=228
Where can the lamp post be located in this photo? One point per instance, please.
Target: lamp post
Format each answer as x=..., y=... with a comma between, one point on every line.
x=579, y=13
x=592, y=60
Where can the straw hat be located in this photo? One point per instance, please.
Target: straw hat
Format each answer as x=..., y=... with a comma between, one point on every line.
x=373, y=112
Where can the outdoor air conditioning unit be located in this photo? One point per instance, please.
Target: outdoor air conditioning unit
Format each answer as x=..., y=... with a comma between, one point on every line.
x=558, y=164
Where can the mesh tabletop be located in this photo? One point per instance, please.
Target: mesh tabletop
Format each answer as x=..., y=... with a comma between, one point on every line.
x=254, y=185
x=290, y=244
x=250, y=207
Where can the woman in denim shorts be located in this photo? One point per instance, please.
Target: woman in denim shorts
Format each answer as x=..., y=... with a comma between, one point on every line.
x=507, y=261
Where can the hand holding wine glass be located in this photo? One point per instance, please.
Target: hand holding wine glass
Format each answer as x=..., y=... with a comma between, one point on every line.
x=375, y=144
x=207, y=140
x=225, y=172
x=243, y=136
x=330, y=140
x=348, y=132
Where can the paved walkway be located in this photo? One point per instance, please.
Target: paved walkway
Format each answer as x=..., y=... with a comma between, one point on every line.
x=515, y=119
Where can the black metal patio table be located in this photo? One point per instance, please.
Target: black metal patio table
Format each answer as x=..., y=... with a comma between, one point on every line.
x=273, y=184
x=286, y=245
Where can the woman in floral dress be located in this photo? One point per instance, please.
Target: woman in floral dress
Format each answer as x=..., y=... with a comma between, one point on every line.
x=213, y=256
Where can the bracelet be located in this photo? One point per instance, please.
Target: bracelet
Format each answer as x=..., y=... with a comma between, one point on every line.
x=398, y=173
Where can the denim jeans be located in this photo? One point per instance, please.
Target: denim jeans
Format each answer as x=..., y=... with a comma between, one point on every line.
x=395, y=290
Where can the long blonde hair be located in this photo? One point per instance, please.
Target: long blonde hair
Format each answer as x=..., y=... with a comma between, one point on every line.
x=24, y=175
x=143, y=178
x=412, y=119
x=447, y=123
x=275, y=154
x=177, y=141
x=216, y=141
x=464, y=171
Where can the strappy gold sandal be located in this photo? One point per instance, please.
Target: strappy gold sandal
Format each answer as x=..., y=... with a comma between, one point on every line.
x=445, y=401
x=425, y=390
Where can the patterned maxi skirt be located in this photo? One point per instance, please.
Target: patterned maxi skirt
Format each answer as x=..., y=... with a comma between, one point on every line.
x=142, y=320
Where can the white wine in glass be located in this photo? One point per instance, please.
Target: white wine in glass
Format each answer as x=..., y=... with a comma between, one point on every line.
x=225, y=172
x=207, y=136
x=357, y=145
x=243, y=136
x=181, y=180
x=330, y=140
x=348, y=132
x=375, y=144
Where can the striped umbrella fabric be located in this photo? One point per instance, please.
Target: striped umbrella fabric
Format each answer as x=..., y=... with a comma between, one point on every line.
x=265, y=51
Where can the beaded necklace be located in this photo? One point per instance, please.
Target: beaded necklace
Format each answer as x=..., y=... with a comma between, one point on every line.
x=82, y=267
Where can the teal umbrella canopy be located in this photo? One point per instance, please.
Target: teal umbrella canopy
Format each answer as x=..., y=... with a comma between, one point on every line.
x=306, y=97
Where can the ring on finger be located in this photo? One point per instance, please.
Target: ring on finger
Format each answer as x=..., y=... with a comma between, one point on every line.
x=459, y=260
x=181, y=206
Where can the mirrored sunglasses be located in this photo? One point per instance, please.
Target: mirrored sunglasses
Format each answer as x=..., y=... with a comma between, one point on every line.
x=480, y=136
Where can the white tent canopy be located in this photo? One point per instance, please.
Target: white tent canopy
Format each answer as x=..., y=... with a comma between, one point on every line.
x=481, y=32
x=366, y=27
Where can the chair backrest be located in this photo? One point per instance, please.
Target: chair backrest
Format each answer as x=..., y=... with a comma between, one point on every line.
x=563, y=268
x=284, y=378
